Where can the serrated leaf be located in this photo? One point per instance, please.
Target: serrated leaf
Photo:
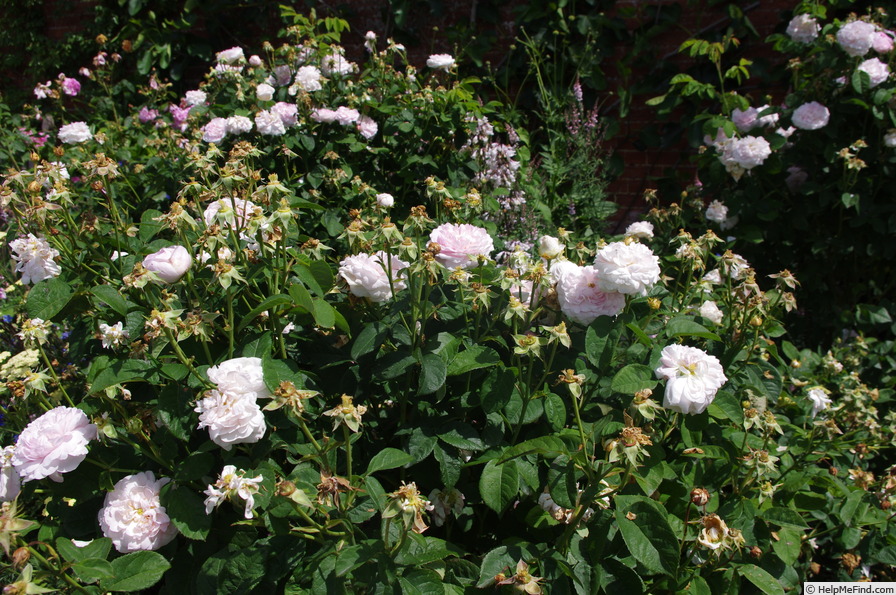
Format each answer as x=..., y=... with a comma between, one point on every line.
x=474, y=357
x=433, y=371
x=633, y=378
x=388, y=458
x=649, y=537
x=136, y=571
x=186, y=510
x=47, y=298
x=106, y=294
x=785, y=517
x=499, y=484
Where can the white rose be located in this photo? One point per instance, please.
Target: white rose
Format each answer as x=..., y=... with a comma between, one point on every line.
x=710, y=311
x=385, y=200
x=231, y=418
x=627, y=268
x=716, y=211
x=803, y=29
x=241, y=375
x=549, y=247
x=215, y=130
x=269, y=124
x=53, y=444
x=580, y=294
x=10, y=484
x=811, y=116
x=367, y=275
x=642, y=230
x=169, y=264
x=441, y=62
x=692, y=378
x=238, y=125
x=194, y=98
x=856, y=38
x=74, y=133
x=264, y=92
x=820, y=400
x=133, y=516
x=230, y=56
x=876, y=70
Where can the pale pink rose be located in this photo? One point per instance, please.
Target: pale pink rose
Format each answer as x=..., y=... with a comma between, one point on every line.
x=241, y=375
x=346, y=116
x=745, y=153
x=269, y=123
x=238, y=125
x=215, y=130
x=74, y=133
x=811, y=116
x=230, y=56
x=308, y=79
x=34, y=258
x=744, y=120
x=147, y=115
x=194, y=98
x=461, y=245
x=642, y=230
x=368, y=275
x=169, y=264
x=255, y=61
x=797, y=176
x=876, y=70
x=133, y=517
x=710, y=311
x=10, y=484
x=441, y=62
x=287, y=112
x=692, y=378
x=71, y=87
x=856, y=38
x=581, y=296
x=264, y=92
x=367, y=127
x=716, y=211
x=385, y=200
x=803, y=29
x=627, y=268
x=336, y=64
x=324, y=115
x=883, y=42
x=53, y=444
x=282, y=75
x=231, y=418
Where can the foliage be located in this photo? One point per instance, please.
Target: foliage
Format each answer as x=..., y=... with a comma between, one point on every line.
x=411, y=393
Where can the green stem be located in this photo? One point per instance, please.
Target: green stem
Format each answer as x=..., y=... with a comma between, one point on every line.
x=46, y=359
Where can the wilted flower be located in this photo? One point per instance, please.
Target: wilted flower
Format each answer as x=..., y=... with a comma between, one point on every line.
x=10, y=484
x=803, y=29
x=147, y=115
x=74, y=133
x=34, y=258
x=856, y=38
x=407, y=502
x=375, y=276
x=820, y=400
x=230, y=212
x=692, y=378
x=522, y=580
x=714, y=534
x=35, y=331
x=441, y=62
x=232, y=483
x=133, y=516
x=169, y=264
x=53, y=444
x=348, y=413
x=629, y=268
x=461, y=244
x=444, y=502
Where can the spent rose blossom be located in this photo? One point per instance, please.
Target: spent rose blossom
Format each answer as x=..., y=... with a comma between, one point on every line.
x=74, y=133
x=71, y=87
x=231, y=418
x=820, y=400
x=231, y=56
x=803, y=29
x=113, y=335
x=10, y=484
x=34, y=258
x=716, y=211
x=876, y=70
x=796, y=177
x=231, y=211
x=368, y=275
x=643, y=230
x=630, y=269
x=710, y=311
x=282, y=75
x=241, y=375
x=692, y=378
x=264, y=92
x=169, y=264
x=232, y=483
x=581, y=295
x=811, y=116
x=269, y=123
x=133, y=517
x=461, y=245
x=441, y=62
x=215, y=130
x=856, y=38
x=367, y=127
x=53, y=444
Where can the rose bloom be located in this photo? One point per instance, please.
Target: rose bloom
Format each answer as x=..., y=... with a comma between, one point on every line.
x=133, y=517
x=876, y=70
x=287, y=112
x=803, y=29
x=238, y=125
x=324, y=115
x=215, y=130
x=820, y=400
x=147, y=115
x=367, y=127
x=367, y=275
x=269, y=124
x=241, y=375
x=441, y=62
x=255, y=61
x=53, y=444
x=550, y=247
x=282, y=75
x=335, y=64
x=194, y=98
x=716, y=212
x=747, y=152
x=882, y=42
x=74, y=133
x=461, y=244
x=308, y=79
x=230, y=56
x=630, y=269
x=231, y=418
x=811, y=116
x=34, y=258
x=346, y=116
x=856, y=38
x=229, y=212
x=581, y=295
x=71, y=87
x=169, y=264
x=10, y=484
x=264, y=92
x=114, y=335
x=692, y=378
x=710, y=311
x=744, y=120
x=643, y=230
x=385, y=200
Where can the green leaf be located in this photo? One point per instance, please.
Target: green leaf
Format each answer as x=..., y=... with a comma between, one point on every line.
x=369, y=339
x=461, y=435
x=787, y=546
x=301, y=297
x=555, y=411
x=121, y=372
x=91, y=570
x=684, y=326
x=633, y=378
x=648, y=536
x=763, y=580
x=269, y=304
x=187, y=511
x=394, y=364
x=421, y=582
x=600, y=341
x=148, y=227
x=547, y=446
x=497, y=388
x=136, y=571
x=474, y=357
x=499, y=484
x=726, y=406
x=324, y=314
x=388, y=458
x=98, y=548
x=259, y=347
x=106, y=294
x=433, y=371
x=47, y=298
x=784, y=517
